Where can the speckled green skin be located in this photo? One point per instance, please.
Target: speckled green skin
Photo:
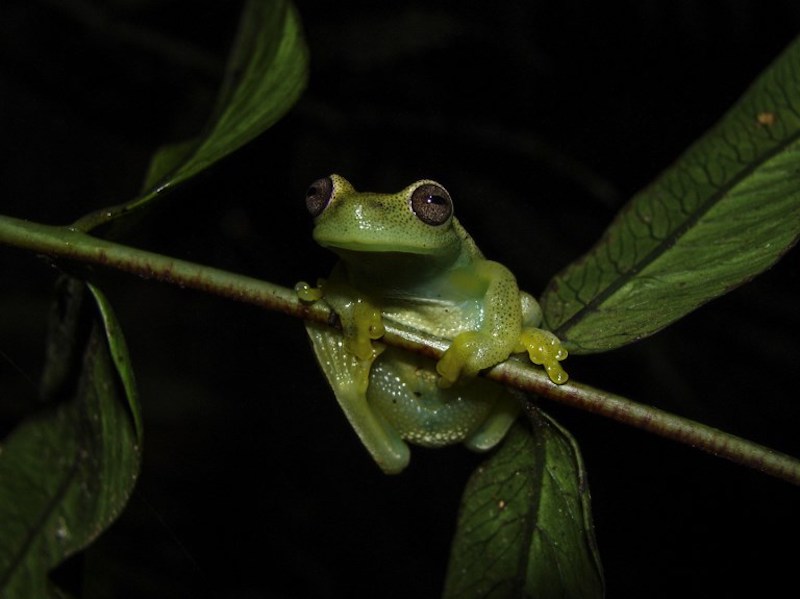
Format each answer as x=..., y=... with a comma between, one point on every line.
x=431, y=278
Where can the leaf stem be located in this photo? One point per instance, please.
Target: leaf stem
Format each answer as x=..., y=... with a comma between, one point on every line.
x=69, y=244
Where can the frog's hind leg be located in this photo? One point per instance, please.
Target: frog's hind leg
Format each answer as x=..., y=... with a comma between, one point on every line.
x=503, y=414
x=349, y=378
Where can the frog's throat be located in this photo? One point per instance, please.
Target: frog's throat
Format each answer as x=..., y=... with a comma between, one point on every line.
x=395, y=270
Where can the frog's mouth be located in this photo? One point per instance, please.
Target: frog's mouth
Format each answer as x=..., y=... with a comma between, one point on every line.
x=362, y=248
x=379, y=241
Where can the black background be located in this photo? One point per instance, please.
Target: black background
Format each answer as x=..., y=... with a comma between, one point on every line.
x=541, y=119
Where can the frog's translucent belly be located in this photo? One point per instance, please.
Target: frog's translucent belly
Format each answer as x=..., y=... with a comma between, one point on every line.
x=403, y=390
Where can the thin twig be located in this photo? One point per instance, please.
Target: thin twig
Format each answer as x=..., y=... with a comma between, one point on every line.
x=63, y=243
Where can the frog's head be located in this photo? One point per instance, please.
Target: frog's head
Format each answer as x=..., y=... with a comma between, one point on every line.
x=417, y=221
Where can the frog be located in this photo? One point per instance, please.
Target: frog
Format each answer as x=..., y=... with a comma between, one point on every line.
x=405, y=260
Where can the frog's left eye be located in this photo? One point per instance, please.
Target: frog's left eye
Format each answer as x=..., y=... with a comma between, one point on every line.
x=318, y=195
x=432, y=204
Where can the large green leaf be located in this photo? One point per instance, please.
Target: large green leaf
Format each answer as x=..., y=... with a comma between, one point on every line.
x=724, y=212
x=525, y=527
x=66, y=473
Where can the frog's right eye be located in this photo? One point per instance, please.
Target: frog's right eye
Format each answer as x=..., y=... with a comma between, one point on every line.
x=318, y=195
x=431, y=203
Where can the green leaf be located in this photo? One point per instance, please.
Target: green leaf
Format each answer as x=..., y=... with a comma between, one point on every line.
x=525, y=527
x=67, y=472
x=727, y=210
x=167, y=159
x=266, y=74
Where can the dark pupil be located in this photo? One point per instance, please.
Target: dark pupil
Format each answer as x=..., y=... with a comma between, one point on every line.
x=438, y=200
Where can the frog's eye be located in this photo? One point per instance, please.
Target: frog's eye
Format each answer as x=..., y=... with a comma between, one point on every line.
x=432, y=204
x=318, y=195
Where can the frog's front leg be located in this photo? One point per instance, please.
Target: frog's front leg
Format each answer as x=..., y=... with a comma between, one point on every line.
x=360, y=319
x=360, y=327
x=500, y=324
x=544, y=349
x=507, y=326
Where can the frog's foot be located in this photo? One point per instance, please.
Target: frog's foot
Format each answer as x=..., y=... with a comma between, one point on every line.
x=502, y=416
x=463, y=357
x=307, y=293
x=544, y=349
x=362, y=326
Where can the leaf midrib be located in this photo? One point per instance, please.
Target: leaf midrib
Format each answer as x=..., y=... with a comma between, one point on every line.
x=533, y=519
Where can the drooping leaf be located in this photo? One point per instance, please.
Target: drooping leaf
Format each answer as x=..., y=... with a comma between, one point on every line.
x=265, y=76
x=525, y=528
x=266, y=73
x=67, y=472
x=723, y=213
x=168, y=159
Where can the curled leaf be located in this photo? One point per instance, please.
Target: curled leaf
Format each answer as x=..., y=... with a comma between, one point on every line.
x=266, y=73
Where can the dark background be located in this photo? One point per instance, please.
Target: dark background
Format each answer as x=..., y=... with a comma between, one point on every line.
x=541, y=119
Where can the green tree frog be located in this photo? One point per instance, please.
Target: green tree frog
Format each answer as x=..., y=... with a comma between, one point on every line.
x=405, y=259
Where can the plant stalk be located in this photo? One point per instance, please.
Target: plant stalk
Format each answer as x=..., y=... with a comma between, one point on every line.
x=69, y=244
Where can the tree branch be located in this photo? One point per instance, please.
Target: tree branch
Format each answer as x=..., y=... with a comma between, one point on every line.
x=62, y=243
